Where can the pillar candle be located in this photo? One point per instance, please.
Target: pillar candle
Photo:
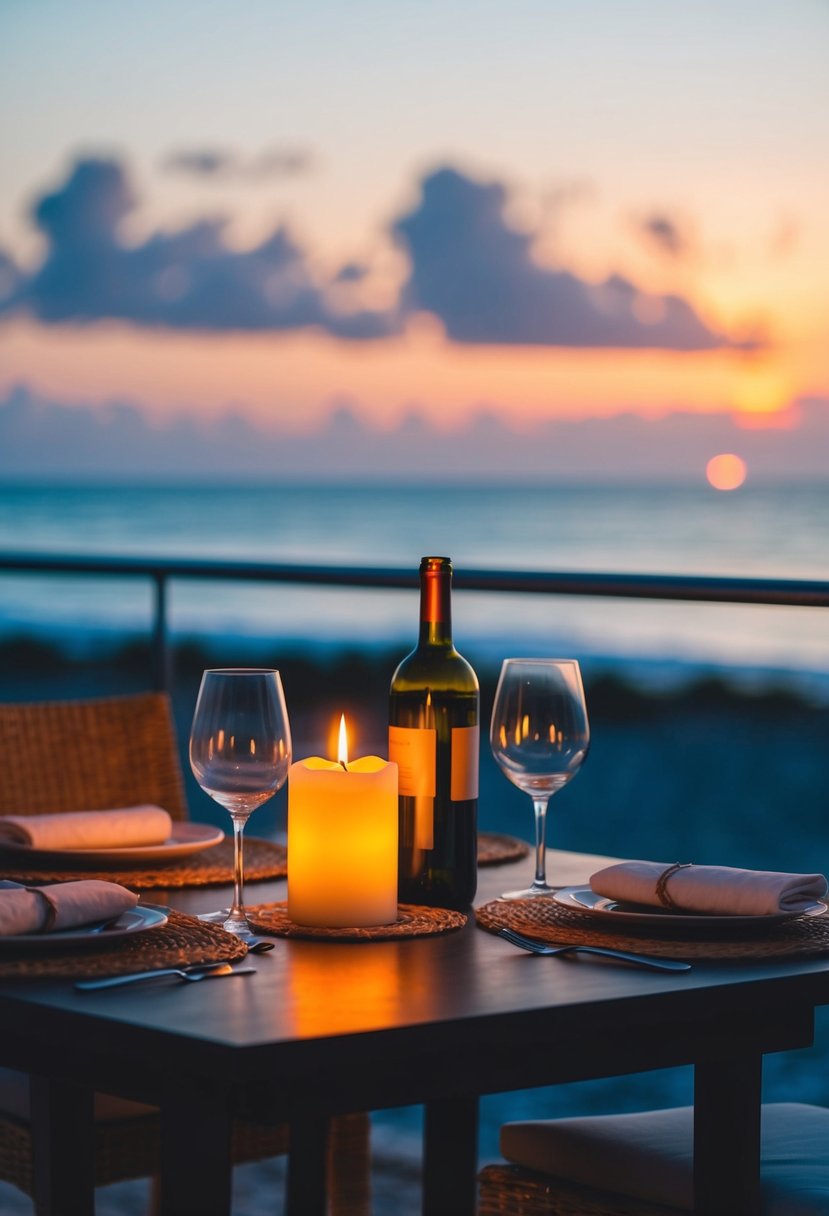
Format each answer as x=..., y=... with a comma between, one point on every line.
x=342, y=841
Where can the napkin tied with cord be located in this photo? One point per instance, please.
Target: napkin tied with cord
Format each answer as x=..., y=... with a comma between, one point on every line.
x=716, y=890
x=61, y=905
x=121, y=828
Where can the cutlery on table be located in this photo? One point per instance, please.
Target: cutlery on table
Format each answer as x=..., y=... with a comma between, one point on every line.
x=641, y=960
x=259, y=945
x=199, y=971
x=103, y=926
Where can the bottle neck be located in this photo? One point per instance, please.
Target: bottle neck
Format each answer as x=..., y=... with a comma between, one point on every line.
x=436, y=606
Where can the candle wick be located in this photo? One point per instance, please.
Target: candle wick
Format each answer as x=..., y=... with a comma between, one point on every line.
x=345, y=767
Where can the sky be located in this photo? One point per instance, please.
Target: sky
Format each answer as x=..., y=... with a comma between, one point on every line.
x=538, y=211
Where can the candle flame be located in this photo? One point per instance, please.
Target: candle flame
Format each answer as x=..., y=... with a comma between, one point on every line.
x=342, y=748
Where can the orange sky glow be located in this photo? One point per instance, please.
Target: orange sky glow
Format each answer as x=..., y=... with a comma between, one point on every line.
x=294, y=380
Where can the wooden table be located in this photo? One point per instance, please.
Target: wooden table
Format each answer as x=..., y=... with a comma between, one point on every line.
x=326, y=1028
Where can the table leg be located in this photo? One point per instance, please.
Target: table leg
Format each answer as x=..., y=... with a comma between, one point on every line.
x=307, y=1191
x=727, y=1095
x=450, y=1157
x=196, y=1160
x=63, y=1138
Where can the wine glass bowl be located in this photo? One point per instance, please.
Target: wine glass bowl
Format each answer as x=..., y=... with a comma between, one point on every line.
x=240, y=753
x=539, y=737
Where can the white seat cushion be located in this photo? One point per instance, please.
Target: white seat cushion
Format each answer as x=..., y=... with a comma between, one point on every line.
x=14, y=1100
x=649, y=1155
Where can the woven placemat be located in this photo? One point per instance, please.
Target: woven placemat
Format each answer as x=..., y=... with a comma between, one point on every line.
x=181, y=941
x=494, y=849
x=413, y=920
x=210, y=868
x=214, y=867
x=549, y=922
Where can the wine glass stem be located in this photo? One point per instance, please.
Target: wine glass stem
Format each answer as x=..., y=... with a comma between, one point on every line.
x=540, y=808
x=237, y=912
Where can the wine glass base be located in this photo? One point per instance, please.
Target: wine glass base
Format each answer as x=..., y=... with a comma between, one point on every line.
x=239, y=928
x=536, y=891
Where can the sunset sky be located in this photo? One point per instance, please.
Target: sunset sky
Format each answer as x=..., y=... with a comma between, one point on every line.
x=541, y=209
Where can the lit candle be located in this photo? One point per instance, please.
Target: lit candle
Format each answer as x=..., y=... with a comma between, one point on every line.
x=342, y=840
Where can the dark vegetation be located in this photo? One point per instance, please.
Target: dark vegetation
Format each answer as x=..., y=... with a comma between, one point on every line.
x=360, y=677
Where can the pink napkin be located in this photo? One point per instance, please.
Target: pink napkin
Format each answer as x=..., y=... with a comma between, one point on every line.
x=719, y=890
x=118, y=829
x=62, y=905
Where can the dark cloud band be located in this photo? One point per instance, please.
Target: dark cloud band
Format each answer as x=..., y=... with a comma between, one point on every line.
x=189, y=279
x=468, y=267
x=223, y=164
x=479, y=276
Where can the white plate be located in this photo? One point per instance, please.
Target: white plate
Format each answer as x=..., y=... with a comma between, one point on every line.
x=185, y=838
x=136, y=920
x=582, y=899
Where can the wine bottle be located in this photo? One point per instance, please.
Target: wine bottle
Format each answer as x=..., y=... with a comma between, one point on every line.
x=434, y=740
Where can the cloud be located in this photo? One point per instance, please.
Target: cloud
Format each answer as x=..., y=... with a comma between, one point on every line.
x=10, y=278
x=665, y=235
x=478, y=275
x=187, y=279
x=352, y=272
x=200, y=162
x=467, y=266
x=222, y=164
x=42, y=439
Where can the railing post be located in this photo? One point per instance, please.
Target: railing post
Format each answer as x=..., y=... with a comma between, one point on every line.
x=160, y=657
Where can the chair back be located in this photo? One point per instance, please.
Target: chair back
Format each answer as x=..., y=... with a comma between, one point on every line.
x=90, y=755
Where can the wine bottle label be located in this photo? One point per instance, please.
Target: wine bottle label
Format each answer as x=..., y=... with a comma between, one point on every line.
x=414, y=751
x=465, y=744
x=424, y=823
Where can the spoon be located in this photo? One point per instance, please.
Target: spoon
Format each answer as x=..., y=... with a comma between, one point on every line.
x=259, y=945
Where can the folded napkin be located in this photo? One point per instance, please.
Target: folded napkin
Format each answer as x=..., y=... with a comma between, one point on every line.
x=118, y=829
x=720, y=890
x=62, y=905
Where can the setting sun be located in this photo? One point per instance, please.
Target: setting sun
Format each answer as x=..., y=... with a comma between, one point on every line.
x=726, y=471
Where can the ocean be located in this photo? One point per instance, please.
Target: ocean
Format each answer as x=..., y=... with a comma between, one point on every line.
x=769, y=531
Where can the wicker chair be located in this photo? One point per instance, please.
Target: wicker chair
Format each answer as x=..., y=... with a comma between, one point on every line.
x=129, y=756
x=642, y=1165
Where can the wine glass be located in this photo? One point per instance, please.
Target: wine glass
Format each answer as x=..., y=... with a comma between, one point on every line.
x=240, y=752
x=539, y=737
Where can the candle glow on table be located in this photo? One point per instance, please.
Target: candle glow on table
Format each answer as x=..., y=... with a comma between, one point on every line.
x=342, y=841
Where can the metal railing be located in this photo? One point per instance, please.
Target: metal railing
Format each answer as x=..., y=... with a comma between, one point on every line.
x=803, y=593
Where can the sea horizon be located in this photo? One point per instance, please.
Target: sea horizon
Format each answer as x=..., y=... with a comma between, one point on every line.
x=771, y=532
x=422, y=480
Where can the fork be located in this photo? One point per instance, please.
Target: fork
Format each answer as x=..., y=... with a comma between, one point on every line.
x=641, y=960
x=200, y=971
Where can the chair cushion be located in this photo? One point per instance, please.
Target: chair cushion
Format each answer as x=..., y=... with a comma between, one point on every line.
x=649, y=1155
x=14, y=1100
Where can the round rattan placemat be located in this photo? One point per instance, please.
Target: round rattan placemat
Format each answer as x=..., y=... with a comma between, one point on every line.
x=210, y=868
x=547, y=921
x=413, y=920
x=494, y=849
x=181, y=941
